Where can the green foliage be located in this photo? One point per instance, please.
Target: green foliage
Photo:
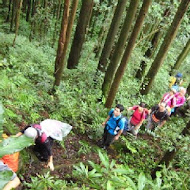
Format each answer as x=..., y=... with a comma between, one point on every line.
x=109, y=175
x=85, y=148
x=14, y=144
x=5, y=177
x=45, y=182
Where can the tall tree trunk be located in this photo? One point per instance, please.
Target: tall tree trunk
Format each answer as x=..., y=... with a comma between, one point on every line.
x=154, y=42
x=9, y=11
x=116, y=58
x=169, y=155
x=131, y=44
x=80, y=32
x=111, y=35
x=4, y=2
x=13, y=15
x=17, y=20
x=28, y=11
x=148, y=81
x=182, y=56
x=24, y=5
x=56, y=22
x=104, y=28
x=59, y=58
x=69, y=28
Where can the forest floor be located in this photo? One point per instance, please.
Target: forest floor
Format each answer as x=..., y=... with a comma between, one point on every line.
x=69, y=155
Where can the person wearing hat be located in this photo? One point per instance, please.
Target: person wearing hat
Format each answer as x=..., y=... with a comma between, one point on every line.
x=176, y=81
x=43, y=143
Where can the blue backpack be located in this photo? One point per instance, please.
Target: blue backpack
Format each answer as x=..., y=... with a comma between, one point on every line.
x=125, y=124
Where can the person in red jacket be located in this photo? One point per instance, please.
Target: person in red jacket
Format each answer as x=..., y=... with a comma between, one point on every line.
x=137, y=118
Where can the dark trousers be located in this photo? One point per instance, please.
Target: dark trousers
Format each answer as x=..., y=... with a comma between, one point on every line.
x=107, y=138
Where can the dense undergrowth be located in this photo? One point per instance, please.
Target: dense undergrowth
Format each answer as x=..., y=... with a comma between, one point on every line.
x=26, y=74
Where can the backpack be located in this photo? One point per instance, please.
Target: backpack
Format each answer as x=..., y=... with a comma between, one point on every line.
x=42, y=134
x=52, y=128
x=117, y=122
x=165, y=113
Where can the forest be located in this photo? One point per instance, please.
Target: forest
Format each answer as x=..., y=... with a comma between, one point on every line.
x=73, y=61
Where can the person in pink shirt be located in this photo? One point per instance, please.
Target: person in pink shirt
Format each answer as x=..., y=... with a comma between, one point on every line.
x=170, y=100
x=137, y=117
x=180, y=98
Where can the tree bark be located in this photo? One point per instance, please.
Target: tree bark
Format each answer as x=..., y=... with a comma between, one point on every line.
x=116, y=58
x=9, y=11
x=4, y=2
x=148, y=81
x=17, y=20
x=182, y=56
x=131, y=44
x=28, y=11
x=13, y=15
x=111, y=35
x=154, y=42
x=80, y=32
x=56, y=22
x=169, y=155
x=69, y=28
x=59, y=64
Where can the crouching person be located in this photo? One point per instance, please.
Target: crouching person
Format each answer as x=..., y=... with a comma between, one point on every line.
x=158, y=116
x=43, y=144
x=114, y=125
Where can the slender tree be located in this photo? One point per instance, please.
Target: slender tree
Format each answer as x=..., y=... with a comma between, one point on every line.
x=59, y=64
x=131, y=44
x=80, y=33
x=116, y=58
x=69, y=28
x=182, y=56
x=153, y=44
x=28, y=10
x=169, y=37
x=56, y=22
x=4, y=2
x=170, y=154
x=9, y=11
x=13, y=15
x=17, y=19
x=111, y=35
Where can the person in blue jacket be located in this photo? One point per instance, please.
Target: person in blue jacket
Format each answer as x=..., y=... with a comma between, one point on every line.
x=114, y=125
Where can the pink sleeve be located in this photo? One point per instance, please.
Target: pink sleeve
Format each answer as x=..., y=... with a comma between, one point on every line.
x=134, y=107
x=180, y=102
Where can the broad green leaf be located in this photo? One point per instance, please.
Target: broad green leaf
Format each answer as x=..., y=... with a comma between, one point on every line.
x=131, y=183
x=132, y=149
x=109, y=185
x=14, y=144
x=5, y=177
x=123, y=171
x=141, y=181
x=104, y=159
